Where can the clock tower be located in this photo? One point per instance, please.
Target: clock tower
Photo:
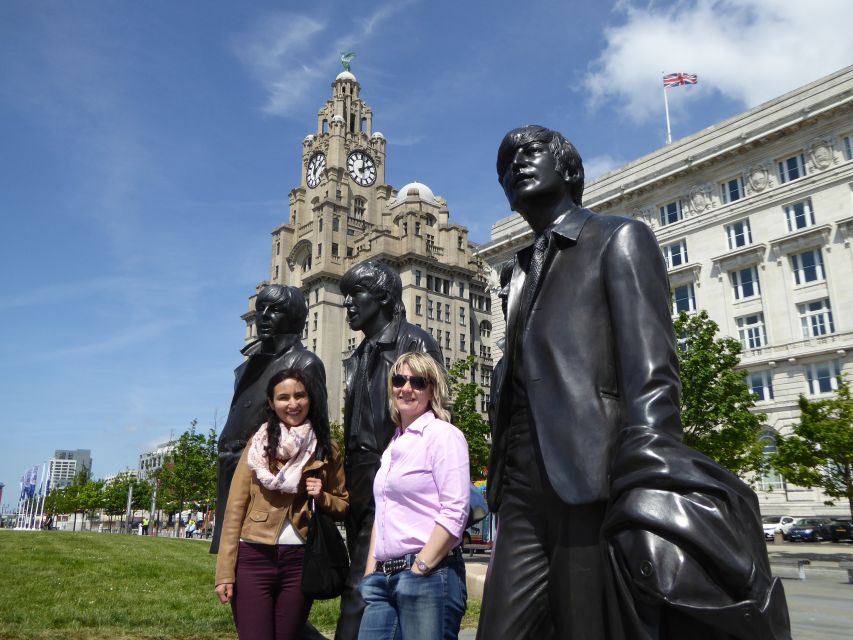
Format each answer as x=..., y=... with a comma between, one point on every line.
x=342, y=213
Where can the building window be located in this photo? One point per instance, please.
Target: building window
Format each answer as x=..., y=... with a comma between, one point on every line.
x=822, y=377
x=670, y=213
x=462, y=315
x=438, y=337
x=417, y=228
x=751, y=331
x=429, y=282
x=485, y=329
x=683, y=299
x=320, y=223
x=359, y=205
x=771, y=480
x=485, y=351
x=799, y=215
x=761, y=384
x=732, y=190
x=447, y=313
x=417, y=277
x=447, y=363
x=338, y=195
x=848, y=147
x=349, y=252
x=675, y=254
x=335, y=249
x=447, y=340
x=739, y=234
x=418, y=306
x=816, y=318
x=745, y=283
x=461, y=289
x=278, y=248
x=808, y=267
x=276, y=272
x=486, y=376
x=429, y=309
x=306, y=264
x=462, y=342
x=430, y=240
x=459, y=242
x=336, y=223
x=791, y=168
x=319, y=249
x=315, y=320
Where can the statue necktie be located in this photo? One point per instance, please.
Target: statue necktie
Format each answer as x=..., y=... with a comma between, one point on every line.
x=534, y=272
x=361, y=390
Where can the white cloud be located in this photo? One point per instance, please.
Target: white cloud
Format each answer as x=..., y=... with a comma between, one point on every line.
x=597, y=166
x=746, y=50
x=285, y=53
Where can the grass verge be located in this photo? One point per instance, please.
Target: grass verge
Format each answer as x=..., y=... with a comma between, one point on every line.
x=105, y=586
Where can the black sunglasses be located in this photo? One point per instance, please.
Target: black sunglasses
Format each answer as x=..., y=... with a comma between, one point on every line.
x=418, y=383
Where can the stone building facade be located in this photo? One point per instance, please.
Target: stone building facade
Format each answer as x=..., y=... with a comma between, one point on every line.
x=754, y=216
x=344, y=212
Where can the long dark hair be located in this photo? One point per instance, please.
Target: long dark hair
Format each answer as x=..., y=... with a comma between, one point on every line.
x=319, y=424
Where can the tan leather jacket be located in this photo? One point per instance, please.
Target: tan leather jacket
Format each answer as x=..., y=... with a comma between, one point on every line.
x=256, y=513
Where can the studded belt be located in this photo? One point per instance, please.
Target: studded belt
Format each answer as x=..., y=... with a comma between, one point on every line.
x=396, y=565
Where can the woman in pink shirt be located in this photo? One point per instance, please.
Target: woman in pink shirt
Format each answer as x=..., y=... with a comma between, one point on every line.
x=414, y=581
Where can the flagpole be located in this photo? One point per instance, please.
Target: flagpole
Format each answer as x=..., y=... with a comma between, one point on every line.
x=666, y=109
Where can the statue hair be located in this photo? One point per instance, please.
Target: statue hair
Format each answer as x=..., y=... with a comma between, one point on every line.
x=378, y=278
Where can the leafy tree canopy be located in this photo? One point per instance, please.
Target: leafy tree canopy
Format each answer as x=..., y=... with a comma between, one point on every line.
x=188, y=477
x=465, y=392
x=716, y=403
x=819, y=452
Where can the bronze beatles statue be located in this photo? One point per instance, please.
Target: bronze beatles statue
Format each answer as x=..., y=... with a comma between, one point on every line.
x=373, y=297
x=609, y=527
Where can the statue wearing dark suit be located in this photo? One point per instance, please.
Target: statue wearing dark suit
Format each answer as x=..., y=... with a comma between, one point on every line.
x=587, y=440
x=373, y=298
x=280, y=314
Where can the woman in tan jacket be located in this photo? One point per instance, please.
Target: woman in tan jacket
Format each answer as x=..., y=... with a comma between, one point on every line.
x=259, y=566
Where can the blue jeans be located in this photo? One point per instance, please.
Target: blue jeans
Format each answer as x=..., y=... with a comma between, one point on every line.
x=407, y=606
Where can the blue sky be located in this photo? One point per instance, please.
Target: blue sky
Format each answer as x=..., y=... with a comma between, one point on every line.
x=147, y=150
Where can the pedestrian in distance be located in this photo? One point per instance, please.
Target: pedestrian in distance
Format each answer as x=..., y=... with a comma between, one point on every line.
x=414, y=579
x=263, y=533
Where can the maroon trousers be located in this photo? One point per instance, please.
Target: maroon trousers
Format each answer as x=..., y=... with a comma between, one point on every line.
x=268, y=603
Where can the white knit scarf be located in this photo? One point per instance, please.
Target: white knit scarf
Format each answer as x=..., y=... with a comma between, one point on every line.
x=296, y=445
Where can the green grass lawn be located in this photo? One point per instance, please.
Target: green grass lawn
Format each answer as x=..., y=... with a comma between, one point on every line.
x=107, y=586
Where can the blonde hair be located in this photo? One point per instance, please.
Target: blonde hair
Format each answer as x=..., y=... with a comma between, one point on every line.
x=421, y=364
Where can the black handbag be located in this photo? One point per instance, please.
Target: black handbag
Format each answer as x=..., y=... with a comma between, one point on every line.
x=326, y=563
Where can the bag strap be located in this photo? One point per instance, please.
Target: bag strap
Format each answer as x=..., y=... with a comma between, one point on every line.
x=319, y=454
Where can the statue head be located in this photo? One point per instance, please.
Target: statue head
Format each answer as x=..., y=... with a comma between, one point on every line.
x=505, y=276
x=538, y=167
x=279, y=310
x=373, y=295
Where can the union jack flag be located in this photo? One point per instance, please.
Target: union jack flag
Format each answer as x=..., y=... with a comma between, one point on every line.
x=675, y=79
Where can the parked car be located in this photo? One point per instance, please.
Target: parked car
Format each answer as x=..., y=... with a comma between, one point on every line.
x=836, y=530
x=776, y=524
x=805, y=529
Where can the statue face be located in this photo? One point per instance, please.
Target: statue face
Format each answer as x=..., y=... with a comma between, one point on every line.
x=364, y=311
x=270, y=318
x=532, y=177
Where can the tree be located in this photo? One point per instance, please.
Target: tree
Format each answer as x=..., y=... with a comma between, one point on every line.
x=716, y=403
x=115, y=494
x=819, y=452
x=464, y=392
x=188, y=477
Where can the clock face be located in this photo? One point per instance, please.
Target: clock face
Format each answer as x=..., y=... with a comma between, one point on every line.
x=361, y=168
x=316, y=166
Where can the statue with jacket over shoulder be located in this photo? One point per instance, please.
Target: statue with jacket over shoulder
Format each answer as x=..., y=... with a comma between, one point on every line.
x=609, y=526
x=280, y=314
x=373, y=297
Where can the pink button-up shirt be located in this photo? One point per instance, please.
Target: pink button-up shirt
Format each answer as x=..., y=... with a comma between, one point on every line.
x=424, y=480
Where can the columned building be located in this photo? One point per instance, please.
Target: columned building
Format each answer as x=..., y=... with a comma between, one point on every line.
x=754, y=216
x=344, y=212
